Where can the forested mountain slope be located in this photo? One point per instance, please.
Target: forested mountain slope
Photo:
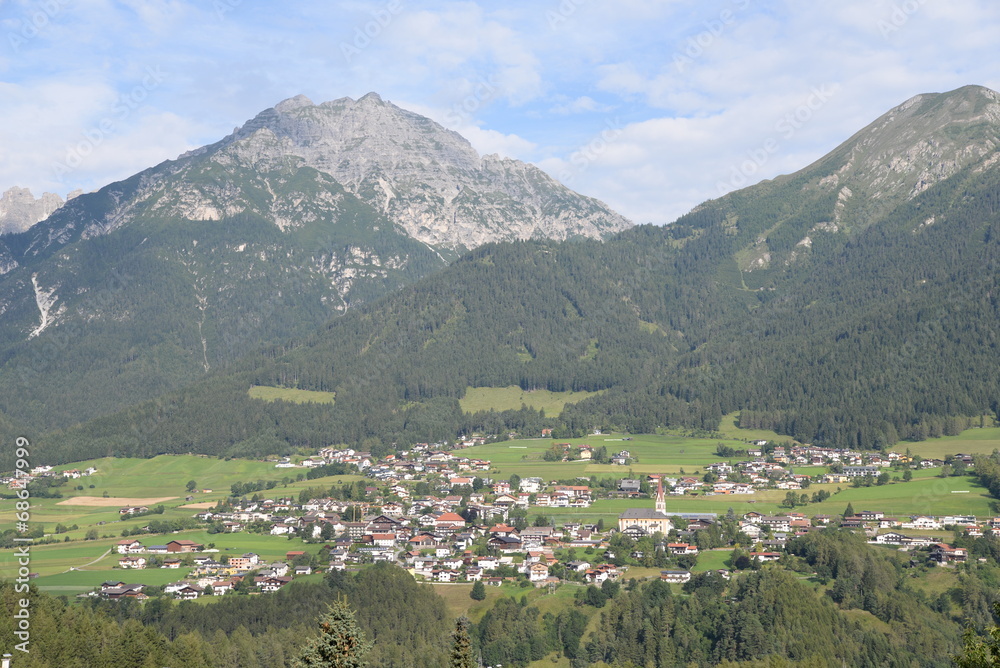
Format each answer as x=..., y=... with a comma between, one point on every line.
x=883, y=326
x=301, y=214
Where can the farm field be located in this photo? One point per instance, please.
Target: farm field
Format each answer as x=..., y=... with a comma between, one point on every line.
x=653, y=453
x=53, y=562
x=970, y=441
x=268, y=393
x=513, y=397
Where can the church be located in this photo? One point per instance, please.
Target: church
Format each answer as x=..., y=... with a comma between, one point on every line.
x=648, y=520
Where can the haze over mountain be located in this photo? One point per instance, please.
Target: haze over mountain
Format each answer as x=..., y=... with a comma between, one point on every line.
x=299, y=215
x=850, y=319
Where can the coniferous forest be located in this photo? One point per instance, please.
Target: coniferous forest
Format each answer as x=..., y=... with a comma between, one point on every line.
x=866, y=609
x=887, y=333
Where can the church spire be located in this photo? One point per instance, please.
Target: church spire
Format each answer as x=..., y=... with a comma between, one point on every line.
x=661, y=501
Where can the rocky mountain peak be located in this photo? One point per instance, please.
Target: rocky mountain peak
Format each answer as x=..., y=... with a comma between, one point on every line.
x=429, y=180
x=19, y=209
x=918, y=143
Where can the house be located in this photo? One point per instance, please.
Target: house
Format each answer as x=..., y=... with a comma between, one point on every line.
x=129, y=546
x=449, y=522
x=629, y=486
x=505, y=544
x=675, y=577
x=681, y=548
x=189, y=592
x=537, y=572
x=765, y=556
x=172, y=562
x=183, y=546
x=132, y=562
x=946, y=554
x=776, y=523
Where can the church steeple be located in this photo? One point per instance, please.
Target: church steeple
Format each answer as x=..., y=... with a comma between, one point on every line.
x=661, y=501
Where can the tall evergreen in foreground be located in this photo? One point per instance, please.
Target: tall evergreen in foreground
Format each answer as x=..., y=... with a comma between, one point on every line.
x=461, y=650
x=342, y=644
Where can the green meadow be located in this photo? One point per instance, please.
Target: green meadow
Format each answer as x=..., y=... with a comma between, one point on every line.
x=970, y=441
x=729, y=428
x=79, y=566
x=652, y=453
x=268, y=393
x=513, y=397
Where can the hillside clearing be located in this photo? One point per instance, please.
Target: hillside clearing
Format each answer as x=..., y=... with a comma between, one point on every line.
x=512, y=398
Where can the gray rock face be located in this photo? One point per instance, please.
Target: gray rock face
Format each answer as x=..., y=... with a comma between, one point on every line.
x=915, y=145
x=428, y=180
x=19, y=209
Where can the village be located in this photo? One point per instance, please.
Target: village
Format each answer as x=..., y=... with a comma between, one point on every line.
x=445, y=519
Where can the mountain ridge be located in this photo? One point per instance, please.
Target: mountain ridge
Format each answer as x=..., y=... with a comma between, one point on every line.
x=876, y=331
x=246, y=242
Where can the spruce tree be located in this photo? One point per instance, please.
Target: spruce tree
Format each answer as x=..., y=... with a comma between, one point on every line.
x=849, y=511
x=478, y=592
x=461, y=649
x=341, y=644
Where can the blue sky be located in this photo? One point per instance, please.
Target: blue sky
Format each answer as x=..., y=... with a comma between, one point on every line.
x=652, y=106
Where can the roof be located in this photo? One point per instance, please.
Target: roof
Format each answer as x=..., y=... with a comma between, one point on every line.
x=642, y=514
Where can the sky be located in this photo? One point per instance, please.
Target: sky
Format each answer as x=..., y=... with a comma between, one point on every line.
x=652, y=106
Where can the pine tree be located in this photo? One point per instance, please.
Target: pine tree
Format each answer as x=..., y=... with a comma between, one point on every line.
x=478, y=592
x=341, y=645
x=849, y=511
x=461, y=649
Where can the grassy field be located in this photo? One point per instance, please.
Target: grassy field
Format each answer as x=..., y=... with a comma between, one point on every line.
x=268, y=393
x=54, y=562
x=513, y=397
x=652, y=453
x=728, y=427
x=970, y=441
x=130, y=481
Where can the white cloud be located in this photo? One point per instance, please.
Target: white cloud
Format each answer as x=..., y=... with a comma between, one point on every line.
x=582, y=104
x=500, y=75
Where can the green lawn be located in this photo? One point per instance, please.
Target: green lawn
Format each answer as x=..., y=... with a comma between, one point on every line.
x=268, y=393
x=712, y=560
x=513, y=397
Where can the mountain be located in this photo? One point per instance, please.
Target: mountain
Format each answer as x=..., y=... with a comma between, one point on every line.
x=19, y=209
x=428, y=180
x=885, y=325
x=903, y=153
x=302, y=214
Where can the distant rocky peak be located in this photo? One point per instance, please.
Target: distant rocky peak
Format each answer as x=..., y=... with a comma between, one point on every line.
x=19, y=209
x=427, y=179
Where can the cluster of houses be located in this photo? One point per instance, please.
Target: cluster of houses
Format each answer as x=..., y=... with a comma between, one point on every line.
x=22, y=481
x=205, y=575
